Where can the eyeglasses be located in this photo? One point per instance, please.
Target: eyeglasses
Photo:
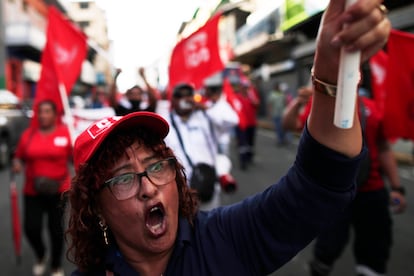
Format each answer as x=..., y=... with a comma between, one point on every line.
x=127, y=185
x=183, y=93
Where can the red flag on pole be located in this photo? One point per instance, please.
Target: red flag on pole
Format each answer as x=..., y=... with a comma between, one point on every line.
x=62, y=58
x=197, y=56
x=399, y=100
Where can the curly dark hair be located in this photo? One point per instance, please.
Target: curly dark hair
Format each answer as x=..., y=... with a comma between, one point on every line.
x=86, y=244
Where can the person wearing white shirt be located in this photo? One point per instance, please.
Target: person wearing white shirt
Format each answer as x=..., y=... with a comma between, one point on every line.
x=223, y=117
x=190, y=123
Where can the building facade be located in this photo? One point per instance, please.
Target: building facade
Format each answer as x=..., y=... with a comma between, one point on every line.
x=92, y=20
x=25, y=23
x=276, y=40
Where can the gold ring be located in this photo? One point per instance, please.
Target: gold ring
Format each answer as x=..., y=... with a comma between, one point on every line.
x=383, y=9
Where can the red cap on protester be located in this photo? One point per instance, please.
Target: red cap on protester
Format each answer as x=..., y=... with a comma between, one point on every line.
x=90, y=139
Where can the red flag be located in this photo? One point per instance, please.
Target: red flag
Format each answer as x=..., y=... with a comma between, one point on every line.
x=62, y=58
x=197, y=56
x=378, y=64
x=399, y=101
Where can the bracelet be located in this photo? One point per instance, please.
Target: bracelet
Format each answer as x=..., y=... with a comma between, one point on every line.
x=323, y=87
x=399, y=189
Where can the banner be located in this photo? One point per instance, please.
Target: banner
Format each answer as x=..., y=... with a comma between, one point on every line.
x=62, y=59
x=197, y=56
x=399, y=99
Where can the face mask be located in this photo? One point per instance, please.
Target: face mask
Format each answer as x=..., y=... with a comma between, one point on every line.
x=185, y=105
x=135, y=103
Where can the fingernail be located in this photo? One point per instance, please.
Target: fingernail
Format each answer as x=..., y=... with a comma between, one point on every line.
x=350, y=48
x=336, y=42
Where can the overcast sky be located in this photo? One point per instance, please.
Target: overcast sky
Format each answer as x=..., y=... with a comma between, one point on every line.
x=143, y=31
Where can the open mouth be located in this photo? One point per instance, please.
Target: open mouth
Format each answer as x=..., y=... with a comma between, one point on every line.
x=155, y=220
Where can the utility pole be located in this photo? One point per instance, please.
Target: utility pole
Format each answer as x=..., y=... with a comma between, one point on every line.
x=2, y=49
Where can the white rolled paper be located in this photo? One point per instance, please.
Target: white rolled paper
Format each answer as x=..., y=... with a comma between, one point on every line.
x=348, y=79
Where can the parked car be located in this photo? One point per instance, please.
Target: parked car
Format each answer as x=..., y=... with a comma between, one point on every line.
x=14, y=119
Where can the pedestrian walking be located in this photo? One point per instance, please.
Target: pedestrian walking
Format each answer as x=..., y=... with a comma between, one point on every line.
x=276, y=103
x=44, y=153
x=246, y=133
x=224, y=118
x=193, y=140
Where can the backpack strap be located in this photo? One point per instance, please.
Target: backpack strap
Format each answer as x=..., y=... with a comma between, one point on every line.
x=180, y=139
x=212, y=131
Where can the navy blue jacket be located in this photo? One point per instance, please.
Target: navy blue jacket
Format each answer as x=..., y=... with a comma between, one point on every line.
x=264, y=231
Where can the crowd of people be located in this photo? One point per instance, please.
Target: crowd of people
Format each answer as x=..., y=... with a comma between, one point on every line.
x=141, y=177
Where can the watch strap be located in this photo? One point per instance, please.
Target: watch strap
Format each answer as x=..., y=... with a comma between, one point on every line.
x=324, y=87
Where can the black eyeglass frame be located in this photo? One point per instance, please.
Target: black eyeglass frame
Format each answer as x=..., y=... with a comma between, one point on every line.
x=179, y=95
x=108, y=183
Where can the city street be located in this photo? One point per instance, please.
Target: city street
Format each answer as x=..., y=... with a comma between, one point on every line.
x=270, y=163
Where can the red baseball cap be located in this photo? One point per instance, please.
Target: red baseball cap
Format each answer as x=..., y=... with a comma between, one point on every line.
x=90, y=139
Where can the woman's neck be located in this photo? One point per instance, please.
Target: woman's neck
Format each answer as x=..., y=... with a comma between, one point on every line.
x=152, y=266
x=47, y=129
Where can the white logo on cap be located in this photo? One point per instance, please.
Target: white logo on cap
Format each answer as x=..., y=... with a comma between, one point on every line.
x=98, y=128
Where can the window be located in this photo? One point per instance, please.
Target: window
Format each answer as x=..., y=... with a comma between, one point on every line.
x=84, y=5
x=83, y=24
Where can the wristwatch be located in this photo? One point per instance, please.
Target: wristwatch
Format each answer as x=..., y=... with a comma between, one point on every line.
x=323, y=87
x=399, y=189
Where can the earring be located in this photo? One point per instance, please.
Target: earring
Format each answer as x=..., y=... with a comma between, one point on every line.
x=104, y=227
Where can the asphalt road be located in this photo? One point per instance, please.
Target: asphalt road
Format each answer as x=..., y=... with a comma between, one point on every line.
x=270, y=164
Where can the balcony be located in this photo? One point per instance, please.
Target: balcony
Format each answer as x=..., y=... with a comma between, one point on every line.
x=23, y=40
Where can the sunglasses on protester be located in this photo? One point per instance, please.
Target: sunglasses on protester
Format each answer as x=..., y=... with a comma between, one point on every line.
x=183, y=93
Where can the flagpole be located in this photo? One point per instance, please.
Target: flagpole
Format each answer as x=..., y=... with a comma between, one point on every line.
x=68, y=113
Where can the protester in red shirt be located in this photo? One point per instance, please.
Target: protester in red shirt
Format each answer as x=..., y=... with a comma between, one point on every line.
x=246, y=130
x=44, y=152
x=369, y=215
